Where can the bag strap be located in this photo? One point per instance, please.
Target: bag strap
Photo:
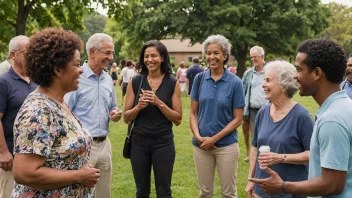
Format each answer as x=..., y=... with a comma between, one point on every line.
x=136, y=98
x=138, y=92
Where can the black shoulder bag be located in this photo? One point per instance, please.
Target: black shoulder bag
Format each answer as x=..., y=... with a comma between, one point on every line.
x=128, y=140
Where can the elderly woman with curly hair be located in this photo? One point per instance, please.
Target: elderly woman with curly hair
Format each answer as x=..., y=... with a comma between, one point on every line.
x=283, y=125
x=52, y=147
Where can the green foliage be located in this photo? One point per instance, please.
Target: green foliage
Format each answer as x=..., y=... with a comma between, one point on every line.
x=93, y=23
x=340, y=28
x=184, y=180
x=18, y=15
x=123, y=47
x=277, y=25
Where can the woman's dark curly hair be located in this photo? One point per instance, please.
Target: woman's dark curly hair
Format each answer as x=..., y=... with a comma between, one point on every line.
x=327, y=55
x=165, y=65
x=49, y=48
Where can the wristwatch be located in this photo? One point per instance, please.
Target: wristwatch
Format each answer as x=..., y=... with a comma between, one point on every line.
x=284, y=159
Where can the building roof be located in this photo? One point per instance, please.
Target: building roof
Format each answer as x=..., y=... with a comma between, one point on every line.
x=176, y=45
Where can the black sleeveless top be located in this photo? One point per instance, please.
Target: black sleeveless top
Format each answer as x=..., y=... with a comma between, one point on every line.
x=151, y=121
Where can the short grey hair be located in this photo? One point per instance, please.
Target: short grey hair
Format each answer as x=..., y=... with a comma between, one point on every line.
x=13, y=45
x=95, y=41
x=259, y=49
x=222, y=41
x=285, y=72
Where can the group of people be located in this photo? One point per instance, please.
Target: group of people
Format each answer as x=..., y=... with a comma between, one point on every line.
x=55, y=118
x=185, y=76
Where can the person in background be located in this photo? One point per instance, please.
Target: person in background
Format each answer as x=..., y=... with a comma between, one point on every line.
x=216, y=112
x=347, y=83
x=285, y=126
x=159, y=106
x=321, y=65
x=121, y=66
x=15, y=86
x=192, y=72
x=232, y=69
x=114, y=73
x=6, y=64
x=51, y=146
x=181, y=77
x=173, y=70
x=127, y=74
x=94, y=103
x=252, y=84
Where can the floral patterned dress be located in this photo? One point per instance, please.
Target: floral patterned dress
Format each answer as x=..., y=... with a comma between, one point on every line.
x=44, y=128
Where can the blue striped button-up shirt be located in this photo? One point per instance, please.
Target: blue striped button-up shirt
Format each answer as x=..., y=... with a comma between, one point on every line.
x=93, y=100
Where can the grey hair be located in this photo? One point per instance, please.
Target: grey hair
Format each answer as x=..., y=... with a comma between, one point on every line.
x=95, y=41
x=259, y=49
x=285, y=72
x=13, y=45
x=222, y=41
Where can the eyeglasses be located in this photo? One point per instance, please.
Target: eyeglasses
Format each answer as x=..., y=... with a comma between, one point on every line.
x=255, y=57
x=107, y=53
x=18, y=51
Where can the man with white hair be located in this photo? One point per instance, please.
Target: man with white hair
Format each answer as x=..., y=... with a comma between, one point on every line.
x=94, y=103
x=15, y=86
x=6, y=64
x=254, y=94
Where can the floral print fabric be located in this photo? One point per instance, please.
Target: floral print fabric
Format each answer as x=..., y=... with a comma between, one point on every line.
x=44, y=128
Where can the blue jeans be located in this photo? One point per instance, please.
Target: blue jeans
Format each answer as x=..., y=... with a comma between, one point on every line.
x=159, y=153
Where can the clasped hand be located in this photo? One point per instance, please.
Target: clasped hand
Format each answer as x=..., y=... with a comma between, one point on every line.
x=147, y=97
x=206, y=143
x=115, y=115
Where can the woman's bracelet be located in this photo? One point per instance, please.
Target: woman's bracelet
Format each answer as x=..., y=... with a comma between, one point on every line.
x=283, y=187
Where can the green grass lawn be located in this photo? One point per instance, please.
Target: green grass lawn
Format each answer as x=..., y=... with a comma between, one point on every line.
x=184, y=181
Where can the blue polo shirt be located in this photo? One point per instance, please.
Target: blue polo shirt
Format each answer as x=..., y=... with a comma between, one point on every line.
x=331, y=144
x=13, y=91
x=216, y=102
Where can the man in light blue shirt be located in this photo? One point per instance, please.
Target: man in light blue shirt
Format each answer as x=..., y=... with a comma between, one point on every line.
x=347, y=83
x=321, y=65
x=94, y=103
x=254, y=94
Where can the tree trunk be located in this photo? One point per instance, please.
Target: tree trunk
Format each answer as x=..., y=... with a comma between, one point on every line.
x=22, y=16
x=241, y=68
x=240, y=53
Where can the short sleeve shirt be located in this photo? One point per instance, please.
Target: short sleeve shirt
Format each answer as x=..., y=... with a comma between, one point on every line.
x=216, y=102
x=290, y=135
x=191, y=74
x=331, y=145
x=13, y=91
x=44, y=128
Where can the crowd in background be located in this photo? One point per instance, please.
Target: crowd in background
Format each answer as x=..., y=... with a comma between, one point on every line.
x=55, y=116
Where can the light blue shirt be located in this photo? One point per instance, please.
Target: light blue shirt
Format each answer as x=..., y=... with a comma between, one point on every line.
x=347, y=86
x=257, y=95
x=331, y=144
x=217, y=100
x=93, y=100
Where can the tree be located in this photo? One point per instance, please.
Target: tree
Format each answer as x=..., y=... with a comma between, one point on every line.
x=124, y=49
x=93, y=23
x=340, y=28
x=15, y=15
x=277, y=25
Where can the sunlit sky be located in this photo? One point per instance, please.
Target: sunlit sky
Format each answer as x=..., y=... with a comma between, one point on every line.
x=344, y=2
